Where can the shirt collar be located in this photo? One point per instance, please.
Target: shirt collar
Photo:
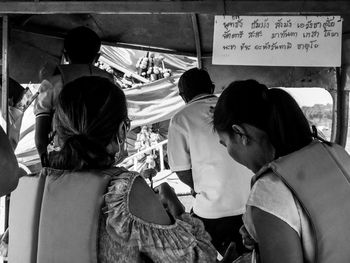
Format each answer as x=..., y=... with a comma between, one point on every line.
x=201, y=96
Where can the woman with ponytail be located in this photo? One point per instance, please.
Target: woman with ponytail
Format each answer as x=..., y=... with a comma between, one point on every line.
x=297, y=210
x=91, y=123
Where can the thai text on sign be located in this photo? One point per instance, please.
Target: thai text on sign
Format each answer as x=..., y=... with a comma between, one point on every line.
x=277, y=40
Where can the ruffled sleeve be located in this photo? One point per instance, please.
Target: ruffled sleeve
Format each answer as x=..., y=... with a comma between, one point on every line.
x=184, y=241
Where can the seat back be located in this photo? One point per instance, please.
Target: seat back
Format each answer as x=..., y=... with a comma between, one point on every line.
x=319, y=177
x=25, y=206
x=54, y=216
x=70, y=217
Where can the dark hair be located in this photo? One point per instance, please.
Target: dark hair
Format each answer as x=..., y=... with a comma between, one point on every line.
x=82, y=45
x=87, y=118
x=273, y=111
x=15, y=91
x=195, y=81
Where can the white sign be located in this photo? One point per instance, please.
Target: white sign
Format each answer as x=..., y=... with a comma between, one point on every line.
x=278, y=40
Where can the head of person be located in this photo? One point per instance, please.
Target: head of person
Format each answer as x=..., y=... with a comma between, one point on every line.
x=194, y=82
x=16, y=92
x=258, y=125
x=91, y=122
x=82, y=46
x=15, y=95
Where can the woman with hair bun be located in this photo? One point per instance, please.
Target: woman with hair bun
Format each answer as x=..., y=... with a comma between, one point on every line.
x=298, y=208
x=95, y=212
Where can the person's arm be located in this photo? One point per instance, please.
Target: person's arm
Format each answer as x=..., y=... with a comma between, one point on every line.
x=278, y=242
x=144, y=204
x=168, y=198
x=42, y=130
x=186, y=177
x=187, y=242
x=8, y=166
x=43, y=108
x=179, y=155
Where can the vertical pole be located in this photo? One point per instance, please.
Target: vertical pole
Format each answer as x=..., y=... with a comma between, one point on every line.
x=197, y=39
x=161, y=157
x=342, y=105
x=4, y=83
x=4, y=105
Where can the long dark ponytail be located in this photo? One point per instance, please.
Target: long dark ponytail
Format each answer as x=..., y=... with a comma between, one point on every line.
x=273, y=111
x=288, y=127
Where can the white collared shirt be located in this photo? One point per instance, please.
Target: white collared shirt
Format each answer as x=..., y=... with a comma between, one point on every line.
x=222, y=185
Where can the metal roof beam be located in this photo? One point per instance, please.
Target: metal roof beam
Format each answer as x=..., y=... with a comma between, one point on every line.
x=177, y=7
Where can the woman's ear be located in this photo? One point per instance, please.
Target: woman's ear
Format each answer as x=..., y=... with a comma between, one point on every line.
x=115, y=145
x=121, y=133
x=238, y=129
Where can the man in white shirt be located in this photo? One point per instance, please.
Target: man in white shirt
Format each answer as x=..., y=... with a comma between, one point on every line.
x=81, y=49
x=195, y=154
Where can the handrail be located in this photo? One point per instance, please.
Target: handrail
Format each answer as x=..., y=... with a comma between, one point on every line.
x=158, y=146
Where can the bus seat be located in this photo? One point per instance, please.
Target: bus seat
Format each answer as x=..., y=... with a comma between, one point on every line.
x=25, y=206
x=70, y=213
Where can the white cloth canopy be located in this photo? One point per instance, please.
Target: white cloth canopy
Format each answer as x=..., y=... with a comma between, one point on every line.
x=147, y=104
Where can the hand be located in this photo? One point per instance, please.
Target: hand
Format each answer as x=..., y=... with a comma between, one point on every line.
x=230, y=254
x=47, y=71
x=248, y=241
x=169, y=199
x=148, y=173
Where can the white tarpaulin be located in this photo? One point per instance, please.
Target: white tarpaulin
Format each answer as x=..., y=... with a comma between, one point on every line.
x=127, y=58
x=147, y=104
x=153, y=102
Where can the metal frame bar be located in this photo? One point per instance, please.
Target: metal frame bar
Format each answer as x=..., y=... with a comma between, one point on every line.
x=4, y=102
x=4, y=81
x=178, y=7
x=342, y=113
x=197, y=39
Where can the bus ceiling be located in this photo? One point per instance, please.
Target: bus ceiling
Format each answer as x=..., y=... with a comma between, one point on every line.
x=35, y=30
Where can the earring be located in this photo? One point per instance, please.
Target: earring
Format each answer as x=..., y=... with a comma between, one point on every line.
x=119, y=156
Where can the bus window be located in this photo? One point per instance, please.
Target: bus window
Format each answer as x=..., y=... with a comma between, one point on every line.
x=317, y=105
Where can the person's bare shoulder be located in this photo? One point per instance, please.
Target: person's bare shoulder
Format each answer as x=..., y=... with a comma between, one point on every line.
x=144, y=204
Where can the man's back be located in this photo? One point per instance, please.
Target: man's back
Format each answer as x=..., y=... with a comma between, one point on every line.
x=81, y=51
x=222, y=185
x=48, y=94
